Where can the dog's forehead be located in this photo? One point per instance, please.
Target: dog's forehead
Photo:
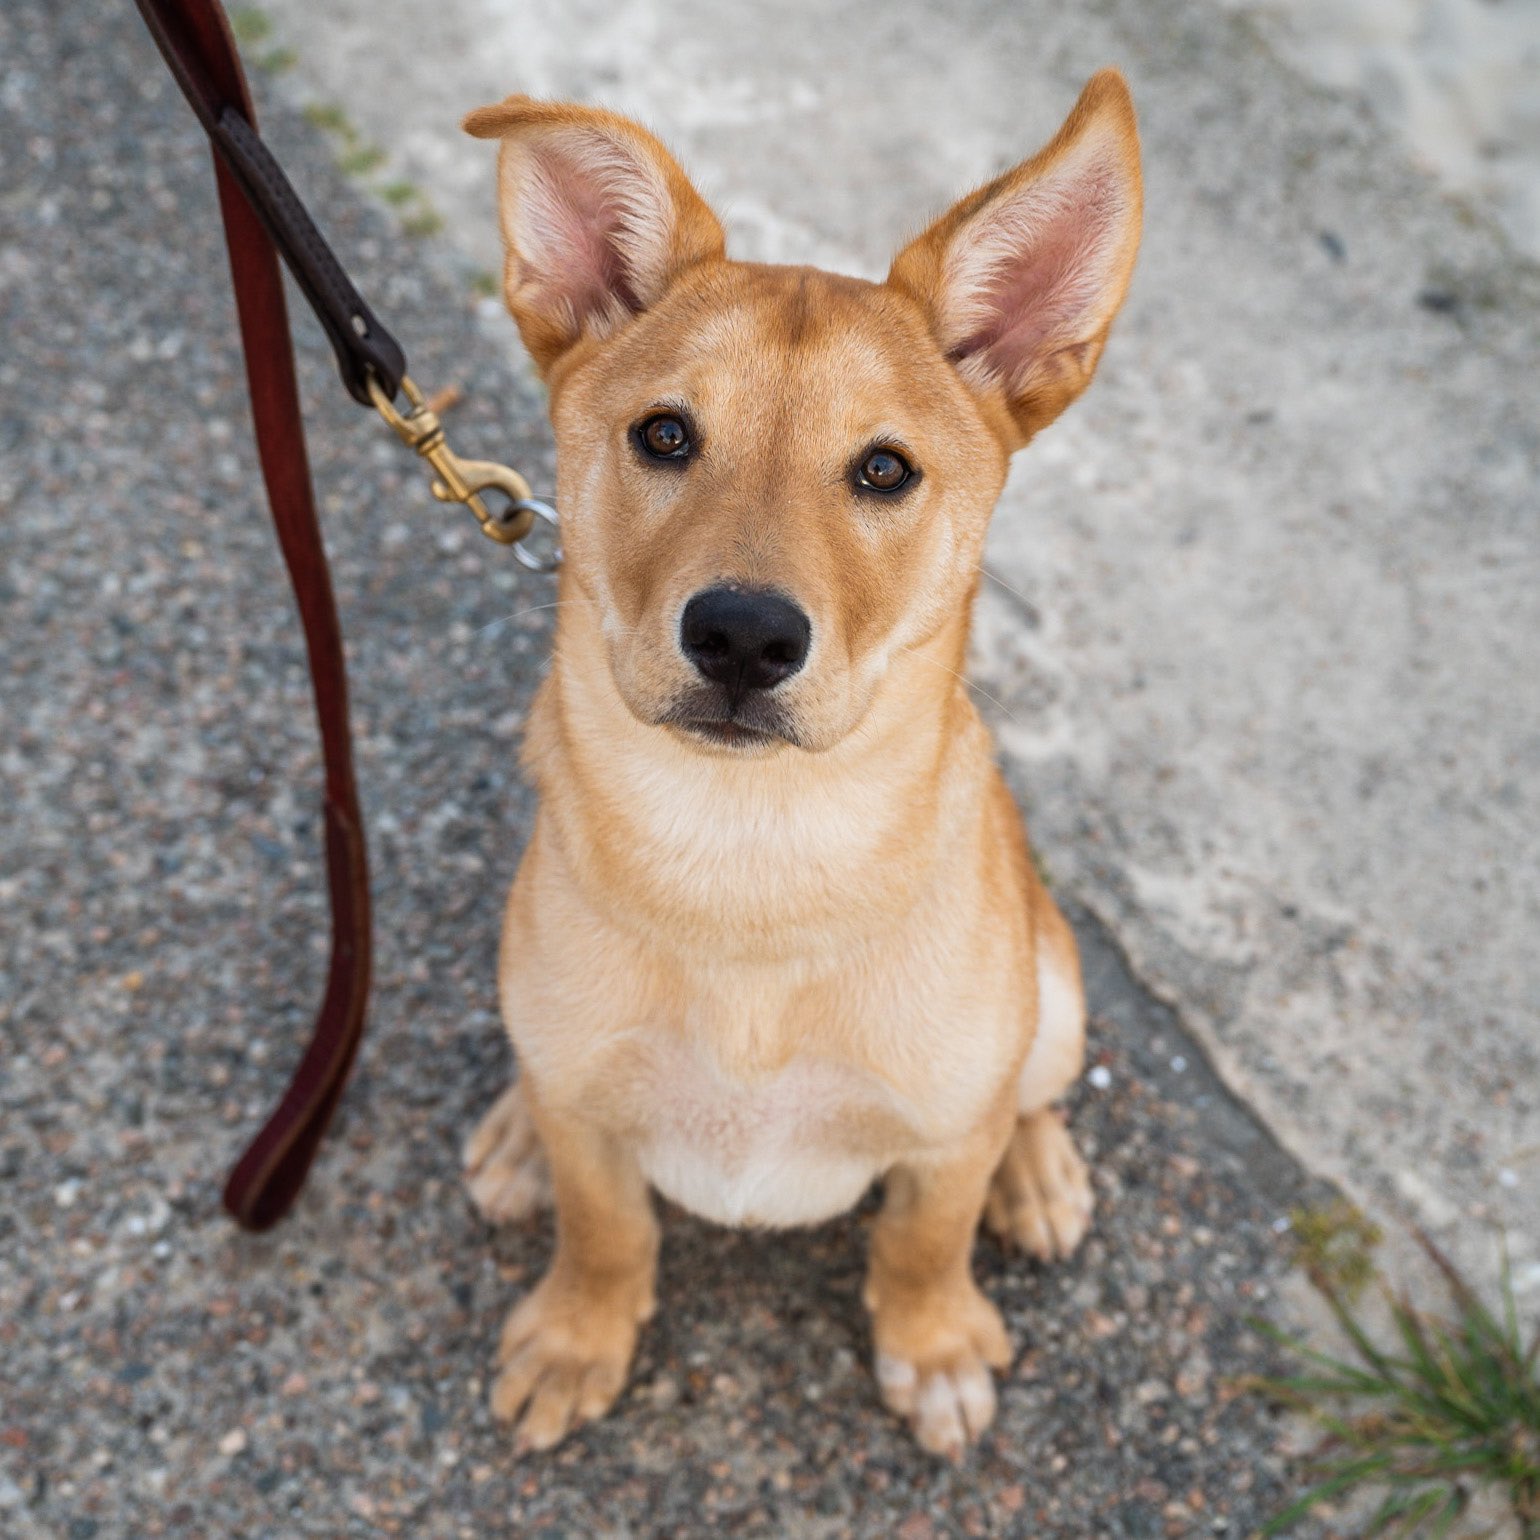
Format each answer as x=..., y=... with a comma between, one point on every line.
x=754, y=335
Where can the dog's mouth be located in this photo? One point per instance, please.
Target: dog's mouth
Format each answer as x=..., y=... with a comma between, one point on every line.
x=728, y=735
x=745, y=725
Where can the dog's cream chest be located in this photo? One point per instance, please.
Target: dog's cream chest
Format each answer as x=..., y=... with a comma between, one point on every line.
x=782, y=1150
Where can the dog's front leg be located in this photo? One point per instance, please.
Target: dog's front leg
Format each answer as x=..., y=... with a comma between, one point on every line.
x=936, y=1335
x=568, y=1344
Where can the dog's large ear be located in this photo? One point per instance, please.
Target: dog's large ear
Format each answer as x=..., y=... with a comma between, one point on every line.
x=597, y=220
x=1022, y=278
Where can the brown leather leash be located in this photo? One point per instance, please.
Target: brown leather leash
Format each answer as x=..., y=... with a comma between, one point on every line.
x=263, y=219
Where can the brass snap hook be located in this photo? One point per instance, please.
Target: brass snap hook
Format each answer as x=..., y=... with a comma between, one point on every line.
x=463, y=481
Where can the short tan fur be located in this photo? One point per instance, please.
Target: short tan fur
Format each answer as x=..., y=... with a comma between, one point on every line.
x=777, y=934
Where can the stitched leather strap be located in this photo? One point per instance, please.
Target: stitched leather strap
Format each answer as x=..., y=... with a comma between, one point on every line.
x=211, y=80
x=359, y=340
x=261, y=216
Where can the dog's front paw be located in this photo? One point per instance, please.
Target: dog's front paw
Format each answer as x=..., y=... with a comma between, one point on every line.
x=934, y=1358
x=564, y=1356
x=1040, y=1198
x=505, y=1168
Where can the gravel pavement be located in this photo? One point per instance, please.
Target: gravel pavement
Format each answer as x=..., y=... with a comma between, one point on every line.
x=163, y=948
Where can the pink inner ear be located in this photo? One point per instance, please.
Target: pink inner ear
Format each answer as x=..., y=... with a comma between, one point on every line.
x=572, y=224
x=1046, y=259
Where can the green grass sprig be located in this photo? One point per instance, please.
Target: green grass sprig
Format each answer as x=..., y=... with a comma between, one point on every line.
x=1452, y=1406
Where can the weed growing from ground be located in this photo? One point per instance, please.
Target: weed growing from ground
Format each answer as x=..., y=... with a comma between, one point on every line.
x=1453, y=1405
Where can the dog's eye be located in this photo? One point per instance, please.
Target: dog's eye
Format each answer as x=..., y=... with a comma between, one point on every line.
x=664, y=437
x=884, y=470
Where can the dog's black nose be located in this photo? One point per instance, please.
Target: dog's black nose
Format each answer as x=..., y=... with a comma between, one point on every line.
x=744, y=638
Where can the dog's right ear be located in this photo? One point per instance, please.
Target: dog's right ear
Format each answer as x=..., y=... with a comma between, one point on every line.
x=598, y=220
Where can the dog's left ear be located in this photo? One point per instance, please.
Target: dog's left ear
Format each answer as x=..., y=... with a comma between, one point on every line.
x=598, y=220
x=1021, y=280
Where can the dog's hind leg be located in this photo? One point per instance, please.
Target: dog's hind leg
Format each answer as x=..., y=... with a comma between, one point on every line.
x=1040, y=1198
x=505, y=1167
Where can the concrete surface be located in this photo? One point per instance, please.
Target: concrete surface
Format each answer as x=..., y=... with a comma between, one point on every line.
x=163, y=946
x=1455, y=79
x=1267, y=624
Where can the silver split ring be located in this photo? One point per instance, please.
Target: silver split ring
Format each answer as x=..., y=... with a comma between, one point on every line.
x=533, y=559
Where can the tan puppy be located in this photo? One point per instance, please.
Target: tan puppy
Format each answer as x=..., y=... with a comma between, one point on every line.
x=777, y=934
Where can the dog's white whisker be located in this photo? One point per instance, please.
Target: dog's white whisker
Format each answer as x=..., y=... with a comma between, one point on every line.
x=504, y=620
x=535, y=609
x=995, y=699
x=994, y=577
